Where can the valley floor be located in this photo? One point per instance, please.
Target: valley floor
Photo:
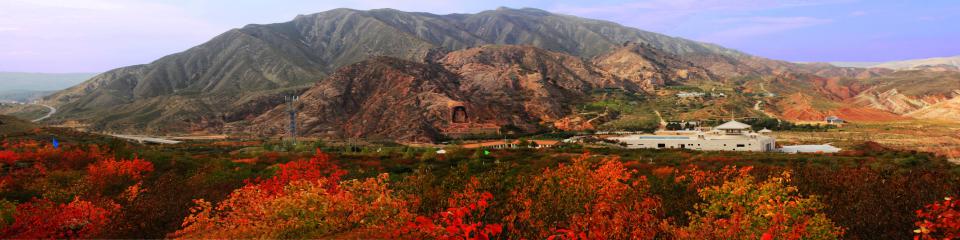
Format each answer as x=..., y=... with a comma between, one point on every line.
x=918, y=135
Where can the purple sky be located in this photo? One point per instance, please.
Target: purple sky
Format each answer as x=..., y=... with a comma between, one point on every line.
x=98, y=35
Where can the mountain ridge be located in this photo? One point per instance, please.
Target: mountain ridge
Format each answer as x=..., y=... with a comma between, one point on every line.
x=244, y=74
x=262, y=61
x=385, y=97
x=904, y=64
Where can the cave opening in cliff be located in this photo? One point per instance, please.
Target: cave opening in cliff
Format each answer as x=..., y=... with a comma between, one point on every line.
x=459, y=114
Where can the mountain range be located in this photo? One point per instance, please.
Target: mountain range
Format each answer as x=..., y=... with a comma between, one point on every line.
x=942, y=62
x=419, y=76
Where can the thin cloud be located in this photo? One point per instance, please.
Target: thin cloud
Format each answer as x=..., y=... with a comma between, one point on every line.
x=758, y=26
x=689, y=7
x=666, y=15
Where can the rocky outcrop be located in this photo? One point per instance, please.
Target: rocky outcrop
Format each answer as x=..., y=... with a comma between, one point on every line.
x=891, y=100
x=649, y=67
x=379, y=98
x=905, y=92
x=543, y=83
x=389, y=98
x=836, y=89
x=802, y=107
x=948, y=110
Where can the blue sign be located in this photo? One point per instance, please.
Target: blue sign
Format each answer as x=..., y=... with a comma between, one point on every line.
x=56, y=144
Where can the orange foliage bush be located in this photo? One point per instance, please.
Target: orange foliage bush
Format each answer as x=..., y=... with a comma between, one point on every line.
x=743, y=209
x=304, y=200
x=695, y=178
x=582, y=199
x=304, y=209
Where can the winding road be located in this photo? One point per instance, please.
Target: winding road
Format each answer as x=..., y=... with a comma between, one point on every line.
x=145, y=139
x=663, y=124
x=52, y=111
x=757, y=105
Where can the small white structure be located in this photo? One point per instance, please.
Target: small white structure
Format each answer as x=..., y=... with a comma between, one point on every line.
x=834, y=120
x=730, y=136
x=825, y=148
x=690, y=94
x=441, y=151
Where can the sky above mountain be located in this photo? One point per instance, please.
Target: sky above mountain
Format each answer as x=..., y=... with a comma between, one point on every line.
x=98, y=35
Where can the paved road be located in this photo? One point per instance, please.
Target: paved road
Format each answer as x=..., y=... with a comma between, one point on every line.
x=52, y=111
x=145, y=139
x=759, y=102
x=662, y=122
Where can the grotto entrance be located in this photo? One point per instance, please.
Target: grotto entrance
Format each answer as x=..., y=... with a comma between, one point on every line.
x=459, y=114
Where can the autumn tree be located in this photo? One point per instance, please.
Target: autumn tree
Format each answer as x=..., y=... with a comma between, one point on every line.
x=600, y=200
x=745, y=209
x=306, y=199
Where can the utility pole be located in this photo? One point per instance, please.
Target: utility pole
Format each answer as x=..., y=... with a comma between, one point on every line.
x=291, y=108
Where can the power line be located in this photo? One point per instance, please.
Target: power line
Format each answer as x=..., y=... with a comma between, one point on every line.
x=292, y=110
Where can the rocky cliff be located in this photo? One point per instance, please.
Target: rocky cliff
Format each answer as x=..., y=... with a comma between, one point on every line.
x=389, y=98
x=649, y=67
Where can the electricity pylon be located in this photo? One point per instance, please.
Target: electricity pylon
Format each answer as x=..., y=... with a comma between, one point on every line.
x=291, y=108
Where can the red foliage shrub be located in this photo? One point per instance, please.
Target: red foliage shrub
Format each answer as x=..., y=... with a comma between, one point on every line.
x=45, y=219
x=319, y=166
x=75, y=157
x=8, y=157
x=463, y=220
x=939, y=220
x=113, y=171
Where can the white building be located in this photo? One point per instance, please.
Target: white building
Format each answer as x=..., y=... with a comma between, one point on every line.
x=730, y=136
x=834, y=120
x=825, y=148
x=690, y=94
